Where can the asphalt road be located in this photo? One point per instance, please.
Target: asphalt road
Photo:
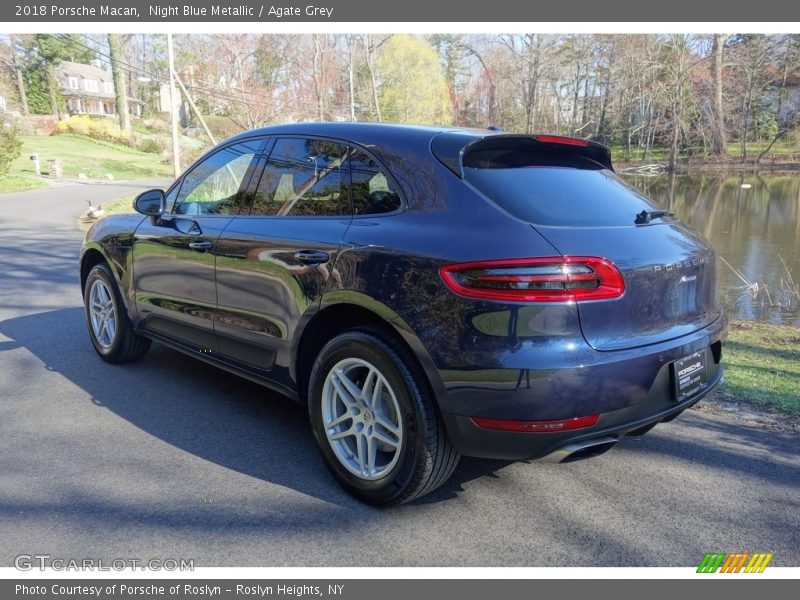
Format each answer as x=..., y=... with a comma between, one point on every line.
x=168, y=458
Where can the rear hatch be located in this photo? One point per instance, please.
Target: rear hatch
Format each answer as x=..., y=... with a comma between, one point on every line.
x=566, y=189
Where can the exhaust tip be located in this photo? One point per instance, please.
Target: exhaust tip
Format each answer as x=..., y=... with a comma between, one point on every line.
x=581, y=450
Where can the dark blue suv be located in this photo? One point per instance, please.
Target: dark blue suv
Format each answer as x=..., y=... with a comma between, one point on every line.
x=425, y=292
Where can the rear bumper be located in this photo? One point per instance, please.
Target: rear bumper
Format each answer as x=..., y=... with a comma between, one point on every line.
x=472, y=440
x=640, y=405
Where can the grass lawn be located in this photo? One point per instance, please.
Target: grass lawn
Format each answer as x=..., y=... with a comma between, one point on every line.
x=661, y=153
x=762, y=365
x=119, y=207
x=80, y=154
x=17, y=183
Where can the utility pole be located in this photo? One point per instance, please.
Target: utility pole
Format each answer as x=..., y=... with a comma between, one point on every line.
x=173, y=97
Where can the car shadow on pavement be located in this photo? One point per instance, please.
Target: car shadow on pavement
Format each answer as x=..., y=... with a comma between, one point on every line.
x=205, y=411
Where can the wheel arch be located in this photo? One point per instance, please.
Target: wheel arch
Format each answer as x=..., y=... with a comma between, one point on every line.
x=92, y=255
x=336, y=315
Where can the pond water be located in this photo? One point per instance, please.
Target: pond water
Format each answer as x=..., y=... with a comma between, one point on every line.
x=753, y=221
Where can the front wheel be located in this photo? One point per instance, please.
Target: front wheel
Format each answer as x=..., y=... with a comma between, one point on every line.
x=109, y=327
x=375, y=421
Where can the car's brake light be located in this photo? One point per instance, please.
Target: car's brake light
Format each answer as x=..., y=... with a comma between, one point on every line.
x=536, y=426
x=552, y=279
x=562, y=139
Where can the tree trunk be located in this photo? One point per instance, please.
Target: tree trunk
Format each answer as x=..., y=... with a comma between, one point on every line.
x=23, y=97
x=748, y=106
x=720, y=137
x=52, y=90
x=319, y=77
x=673, y=150
x=120, y=88
x=350, y=77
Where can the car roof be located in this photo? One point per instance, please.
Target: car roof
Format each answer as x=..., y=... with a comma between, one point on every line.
x=364, y=133
x=449, y=144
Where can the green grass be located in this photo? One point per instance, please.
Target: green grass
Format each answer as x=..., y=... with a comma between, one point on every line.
x=119, y=207
x=17, y=183
x=762, y=365
x=80, y=154
x=661, y=153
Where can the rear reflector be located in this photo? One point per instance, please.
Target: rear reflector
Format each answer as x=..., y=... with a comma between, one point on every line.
x=551, y=279
x=562, y=139
x=535, y=426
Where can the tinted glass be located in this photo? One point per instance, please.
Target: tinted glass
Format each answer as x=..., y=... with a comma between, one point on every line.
x=303, y=177
x=212, y=186
x=560, y=195
x=373, y=192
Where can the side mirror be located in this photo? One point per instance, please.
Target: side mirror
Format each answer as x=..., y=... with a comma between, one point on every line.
x=151, y=203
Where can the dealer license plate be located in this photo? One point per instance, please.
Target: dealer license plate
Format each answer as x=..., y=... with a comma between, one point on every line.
x=689, y=375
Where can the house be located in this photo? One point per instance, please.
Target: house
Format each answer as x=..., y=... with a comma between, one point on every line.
x=786, y=97
x=88, y=89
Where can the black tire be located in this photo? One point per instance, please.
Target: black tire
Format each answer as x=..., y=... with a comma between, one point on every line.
x=425, y=459
x=125, y=345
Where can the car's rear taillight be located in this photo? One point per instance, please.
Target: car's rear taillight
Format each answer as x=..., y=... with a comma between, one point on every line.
x=552, y=279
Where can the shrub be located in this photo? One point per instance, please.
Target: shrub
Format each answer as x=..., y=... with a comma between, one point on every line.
x=10, y=146
x=102, y=129
x=151, y=145
x=222, y=127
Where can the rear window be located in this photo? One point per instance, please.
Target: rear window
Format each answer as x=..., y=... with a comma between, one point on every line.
x=580, y=193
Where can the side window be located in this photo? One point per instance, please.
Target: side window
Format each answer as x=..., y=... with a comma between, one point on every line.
x=303, y=177
x=373, y=193
x=211, y=187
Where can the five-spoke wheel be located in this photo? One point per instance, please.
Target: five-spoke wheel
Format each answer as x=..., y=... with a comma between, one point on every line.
x=102, y=316
x=375, y=420
x=109, y=327
x=362, y=418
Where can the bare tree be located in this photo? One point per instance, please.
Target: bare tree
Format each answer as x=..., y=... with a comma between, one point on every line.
x=720, y=135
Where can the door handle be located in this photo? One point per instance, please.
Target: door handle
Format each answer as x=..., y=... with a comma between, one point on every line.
x=312, y=257
x=204, y=245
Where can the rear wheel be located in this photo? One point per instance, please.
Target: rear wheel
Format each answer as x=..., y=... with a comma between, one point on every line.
x=109, y=327
x=375, y=421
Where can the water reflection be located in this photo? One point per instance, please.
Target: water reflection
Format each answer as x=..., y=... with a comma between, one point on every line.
x=754, y=222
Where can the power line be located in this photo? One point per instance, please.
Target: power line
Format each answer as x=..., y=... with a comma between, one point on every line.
x=248, y=99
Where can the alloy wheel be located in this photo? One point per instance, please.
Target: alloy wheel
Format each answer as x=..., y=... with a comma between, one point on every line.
x=102, y=314
x=362, y=418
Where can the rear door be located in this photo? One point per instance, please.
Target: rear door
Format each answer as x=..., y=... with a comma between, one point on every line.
x=583, y=209
x=278, y=255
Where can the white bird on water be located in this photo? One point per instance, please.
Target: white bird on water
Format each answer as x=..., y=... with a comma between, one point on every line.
x=94, y=212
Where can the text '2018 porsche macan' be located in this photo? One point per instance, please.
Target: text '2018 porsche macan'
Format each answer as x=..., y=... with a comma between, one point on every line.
x=424, y=292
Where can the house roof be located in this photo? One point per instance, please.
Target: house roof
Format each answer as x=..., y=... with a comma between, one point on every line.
x=68, y=69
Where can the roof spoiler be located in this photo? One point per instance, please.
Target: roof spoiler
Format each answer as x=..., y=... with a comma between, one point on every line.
x=457, y=150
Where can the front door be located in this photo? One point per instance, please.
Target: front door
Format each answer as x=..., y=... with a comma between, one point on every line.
x=174, y=255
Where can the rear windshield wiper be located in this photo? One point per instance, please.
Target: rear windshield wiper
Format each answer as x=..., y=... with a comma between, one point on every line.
x=646, y=216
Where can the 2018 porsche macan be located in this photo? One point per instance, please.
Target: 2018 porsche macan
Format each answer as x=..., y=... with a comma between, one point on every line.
x=425, y=292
